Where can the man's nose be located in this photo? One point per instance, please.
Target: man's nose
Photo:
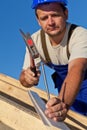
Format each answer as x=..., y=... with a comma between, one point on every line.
x=50, y=20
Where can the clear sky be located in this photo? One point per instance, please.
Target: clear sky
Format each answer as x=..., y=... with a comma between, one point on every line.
x=16, y=14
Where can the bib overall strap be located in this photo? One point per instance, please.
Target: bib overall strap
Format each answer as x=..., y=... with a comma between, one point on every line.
x=43, y=40
x=73, y=26
x=44, y=47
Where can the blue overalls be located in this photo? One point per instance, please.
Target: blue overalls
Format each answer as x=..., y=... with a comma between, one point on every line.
x=80, y=103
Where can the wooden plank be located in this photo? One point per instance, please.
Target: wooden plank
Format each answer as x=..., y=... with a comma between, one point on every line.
x=18, y=119
x=4, y=126
x=78, y=118
x=14, y=89
x=14, y=117
x=39, y=105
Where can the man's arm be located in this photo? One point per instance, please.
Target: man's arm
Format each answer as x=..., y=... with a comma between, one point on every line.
x=73, y=82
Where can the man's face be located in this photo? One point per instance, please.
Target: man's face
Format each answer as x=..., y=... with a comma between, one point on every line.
x=52, y=18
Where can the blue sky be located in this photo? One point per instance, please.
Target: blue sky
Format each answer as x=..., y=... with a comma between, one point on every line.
x=16, y=14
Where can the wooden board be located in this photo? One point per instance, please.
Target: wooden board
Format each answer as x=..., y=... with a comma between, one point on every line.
x=11, y=115
x=18, y=119
x=15, y=116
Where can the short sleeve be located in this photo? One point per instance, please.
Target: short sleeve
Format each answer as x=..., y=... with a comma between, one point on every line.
x=78, y=44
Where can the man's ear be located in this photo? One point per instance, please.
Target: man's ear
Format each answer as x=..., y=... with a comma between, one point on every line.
x=66, y=14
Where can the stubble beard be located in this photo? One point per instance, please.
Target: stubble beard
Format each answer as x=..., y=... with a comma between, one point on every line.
x=54, y=34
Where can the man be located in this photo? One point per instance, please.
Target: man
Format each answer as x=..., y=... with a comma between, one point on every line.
x=66, y=53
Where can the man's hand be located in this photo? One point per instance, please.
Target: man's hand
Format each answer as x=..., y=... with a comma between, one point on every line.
x=56, y=109
x=28, y=78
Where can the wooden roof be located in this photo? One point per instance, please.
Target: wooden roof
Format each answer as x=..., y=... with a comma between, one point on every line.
x=18, y=113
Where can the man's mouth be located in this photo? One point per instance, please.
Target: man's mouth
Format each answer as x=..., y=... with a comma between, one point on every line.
x=52, y=29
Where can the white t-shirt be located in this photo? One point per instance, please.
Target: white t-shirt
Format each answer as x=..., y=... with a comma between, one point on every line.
x=58, y=54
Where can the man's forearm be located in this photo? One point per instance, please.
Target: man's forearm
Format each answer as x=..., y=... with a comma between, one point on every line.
x=72, y=85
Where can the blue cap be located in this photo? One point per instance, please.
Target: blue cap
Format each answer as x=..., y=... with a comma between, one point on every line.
x=38, y=2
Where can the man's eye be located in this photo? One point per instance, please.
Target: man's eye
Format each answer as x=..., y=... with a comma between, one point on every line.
x=44, y=18
x=55, y=15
